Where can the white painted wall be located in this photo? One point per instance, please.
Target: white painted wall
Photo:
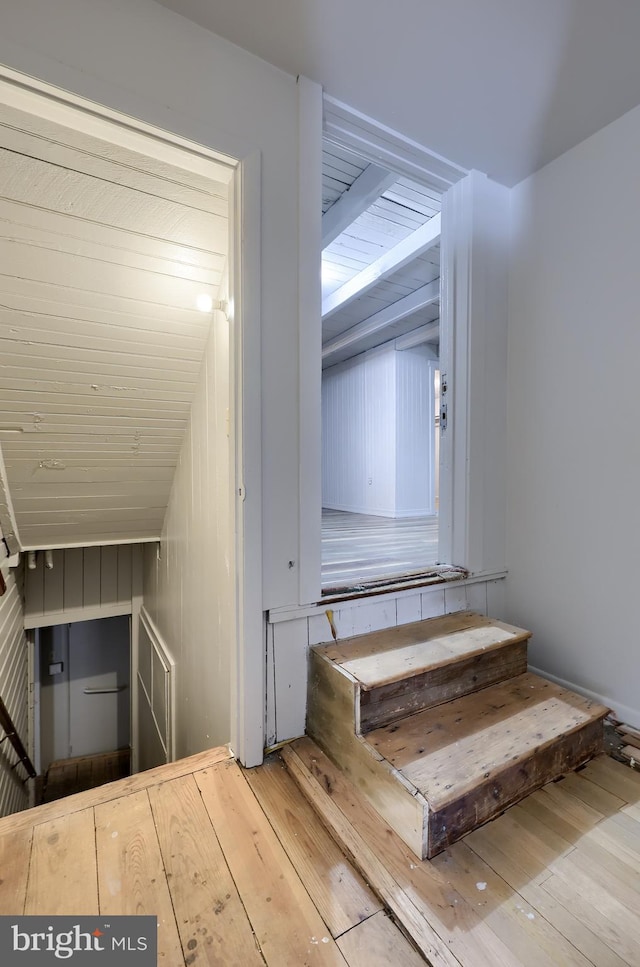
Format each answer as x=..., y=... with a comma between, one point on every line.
x=13, y=689
x=573, y=405
x=139, y=58
x=189, y=583
x=378, y=433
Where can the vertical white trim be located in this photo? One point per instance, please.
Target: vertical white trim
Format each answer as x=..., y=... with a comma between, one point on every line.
x=310, y=336
x=474, y=358
x=248, y=682
x=137, y=565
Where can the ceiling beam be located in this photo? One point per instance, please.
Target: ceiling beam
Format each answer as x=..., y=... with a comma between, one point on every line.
x=419, y=242
x=360, y=195
x=428, y=333
x=426, y=295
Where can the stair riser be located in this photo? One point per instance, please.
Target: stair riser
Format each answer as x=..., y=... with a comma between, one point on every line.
x=387, y=703
x=485, y=802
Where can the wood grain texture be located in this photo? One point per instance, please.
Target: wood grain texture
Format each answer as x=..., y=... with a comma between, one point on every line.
x=503, y=854
x=15, y=856
x=378, y=943
x=113, y=790
x=447, y=750
x=131, y=877
x=398, y=653
x=336, y=888
x=533, y=940
x=287, y=926
x=62, y=872
x=382, y=705
x=487, y=799
x=331, y=723
x=212, y=923
x=442, y=924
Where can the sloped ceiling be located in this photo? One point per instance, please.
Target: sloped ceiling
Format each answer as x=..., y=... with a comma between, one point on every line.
x=103, y=253
x=496, y=85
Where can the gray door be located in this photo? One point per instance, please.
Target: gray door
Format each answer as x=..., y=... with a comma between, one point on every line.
x=99, y=686
x=85, y=688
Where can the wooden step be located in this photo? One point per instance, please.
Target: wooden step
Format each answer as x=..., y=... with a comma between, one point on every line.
x=423, y=664
x=474, y=756
x=461, y=756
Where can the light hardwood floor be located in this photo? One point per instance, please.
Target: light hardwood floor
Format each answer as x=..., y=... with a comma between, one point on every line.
x=240, y=870
x=235, y=865
x=360, y=548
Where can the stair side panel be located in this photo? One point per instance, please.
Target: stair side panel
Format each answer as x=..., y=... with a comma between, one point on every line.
x=331, y=718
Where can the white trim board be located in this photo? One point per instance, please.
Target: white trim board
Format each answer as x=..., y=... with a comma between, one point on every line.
x=381, y=145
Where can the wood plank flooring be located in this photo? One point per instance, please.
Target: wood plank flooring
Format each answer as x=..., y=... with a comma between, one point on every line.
x=240, y=870
x=65, y=777
x=553, y=882
x=235, y=865
x=361, y=548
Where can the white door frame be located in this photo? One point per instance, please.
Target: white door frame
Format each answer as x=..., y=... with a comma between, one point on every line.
x=377, y=144
x=248, y=672
x=474, y=257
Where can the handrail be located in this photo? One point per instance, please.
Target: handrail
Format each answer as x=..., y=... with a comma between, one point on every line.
x=9, y=729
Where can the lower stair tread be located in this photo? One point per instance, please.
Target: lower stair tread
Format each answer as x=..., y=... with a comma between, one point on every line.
x=449, y=751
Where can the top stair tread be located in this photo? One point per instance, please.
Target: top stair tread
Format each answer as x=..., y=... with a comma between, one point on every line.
x=448, y=751
x=405, y=651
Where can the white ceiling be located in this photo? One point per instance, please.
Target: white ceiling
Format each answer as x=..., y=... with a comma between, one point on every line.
x=503, y=86
x=382, y=217
x=103, y=253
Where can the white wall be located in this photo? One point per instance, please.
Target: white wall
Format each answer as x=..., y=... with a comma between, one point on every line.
x=378, y=433
x=13, y=690
x=189, y=581
x=415, y=431
x=573, y=407
x=146, y=61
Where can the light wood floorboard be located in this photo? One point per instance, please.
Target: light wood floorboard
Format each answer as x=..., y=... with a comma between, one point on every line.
x=361, y=548
x=240, y=870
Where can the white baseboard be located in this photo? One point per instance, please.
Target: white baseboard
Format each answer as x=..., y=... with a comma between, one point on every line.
x=624, y=713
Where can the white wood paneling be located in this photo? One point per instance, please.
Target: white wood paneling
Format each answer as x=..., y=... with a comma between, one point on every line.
x=378, y=433
x=415, y=432
x=104, y=251
x=13, y=689
x=189, y=589
x=84, y=583
x=292, y=636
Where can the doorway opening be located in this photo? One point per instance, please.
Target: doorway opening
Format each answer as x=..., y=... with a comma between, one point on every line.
x=380, y=373
x=82, y=686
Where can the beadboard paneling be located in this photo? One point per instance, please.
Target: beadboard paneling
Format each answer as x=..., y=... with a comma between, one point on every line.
x=13, y=690
x=189, y=588
x=84, y=583
x=104, y=252
x=378, y=433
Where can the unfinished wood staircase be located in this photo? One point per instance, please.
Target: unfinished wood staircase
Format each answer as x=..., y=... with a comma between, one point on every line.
x=440, y=725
